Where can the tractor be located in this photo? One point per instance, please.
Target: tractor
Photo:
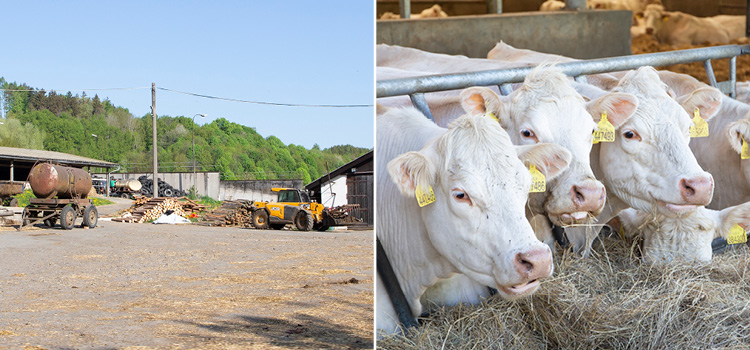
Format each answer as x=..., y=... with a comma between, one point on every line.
x=293, y=207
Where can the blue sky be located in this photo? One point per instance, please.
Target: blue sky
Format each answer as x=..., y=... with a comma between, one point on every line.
x=300, y=52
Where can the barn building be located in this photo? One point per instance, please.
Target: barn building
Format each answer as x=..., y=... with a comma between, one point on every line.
x=352, y=183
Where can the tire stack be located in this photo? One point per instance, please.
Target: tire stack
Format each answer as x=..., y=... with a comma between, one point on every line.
x=165, y=189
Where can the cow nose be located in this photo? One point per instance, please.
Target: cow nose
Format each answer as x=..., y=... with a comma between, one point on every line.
x=534, y=264
x=697, y=190
x=588, y=197
x=649, y=31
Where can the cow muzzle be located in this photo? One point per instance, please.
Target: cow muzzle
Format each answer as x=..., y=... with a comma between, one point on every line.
x=531, y=266
x=697, y=190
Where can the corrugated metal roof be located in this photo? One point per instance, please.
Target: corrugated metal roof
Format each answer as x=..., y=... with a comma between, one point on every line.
x=367, y=157
x=34, y=155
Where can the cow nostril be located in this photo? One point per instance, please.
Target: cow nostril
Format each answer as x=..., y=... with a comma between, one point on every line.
x=689, y=190
x=527, y=265
x=580, y=198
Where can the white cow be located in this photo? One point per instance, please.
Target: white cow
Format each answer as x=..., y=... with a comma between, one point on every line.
x=687, y=238
x=719, y=153
x=649, y=166
x=435, y=11
x=476, y=224
x=677, y=28
x=552, y=5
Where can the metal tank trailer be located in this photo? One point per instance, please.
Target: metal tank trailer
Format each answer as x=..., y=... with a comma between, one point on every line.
x=60, y=195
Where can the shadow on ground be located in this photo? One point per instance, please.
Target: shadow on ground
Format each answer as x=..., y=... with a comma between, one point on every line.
x=304, y=332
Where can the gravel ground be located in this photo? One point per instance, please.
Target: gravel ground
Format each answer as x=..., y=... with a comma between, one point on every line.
x=127, y=286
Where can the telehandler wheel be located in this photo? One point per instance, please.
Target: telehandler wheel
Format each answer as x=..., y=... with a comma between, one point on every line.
x=67, y=217
x=90, y=216
x=260, y=219
x=304, y=220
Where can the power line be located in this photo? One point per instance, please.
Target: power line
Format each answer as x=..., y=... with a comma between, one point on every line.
x=260, y=102
x=203, y=96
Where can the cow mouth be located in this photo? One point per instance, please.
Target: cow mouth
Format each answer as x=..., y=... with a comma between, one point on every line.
x=679, y=209
x=574, y=218
x=520, y=289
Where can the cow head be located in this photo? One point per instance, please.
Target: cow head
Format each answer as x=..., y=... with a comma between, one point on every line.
x=654, y=17
x=477, y=221
x=649, y=166
x=547, y=109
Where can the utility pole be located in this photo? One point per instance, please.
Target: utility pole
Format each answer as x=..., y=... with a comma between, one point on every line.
x=156, y=162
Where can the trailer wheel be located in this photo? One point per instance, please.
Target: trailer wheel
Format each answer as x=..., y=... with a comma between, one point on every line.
x=260, y=219
x=90, y=216
x=304, y=220
x=67, y=217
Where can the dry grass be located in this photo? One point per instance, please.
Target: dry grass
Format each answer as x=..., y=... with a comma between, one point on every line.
x=609, y=301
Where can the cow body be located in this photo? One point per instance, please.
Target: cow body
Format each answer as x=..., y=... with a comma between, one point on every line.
x=678, y=28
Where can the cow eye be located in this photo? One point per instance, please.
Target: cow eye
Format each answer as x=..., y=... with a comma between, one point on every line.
x=529, y=134
x=631, y=135
x=461, y=196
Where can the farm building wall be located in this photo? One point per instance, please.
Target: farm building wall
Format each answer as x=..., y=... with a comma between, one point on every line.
x=606, y=33
x=258, y=190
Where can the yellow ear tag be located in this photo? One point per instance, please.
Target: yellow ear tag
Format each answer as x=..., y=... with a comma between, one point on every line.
x=745, y=154
x=700, y=127
x=538, y=181
x=665, y=18
x=424, y=198
x=736, y=235
x=492, y=115
x=605, y=131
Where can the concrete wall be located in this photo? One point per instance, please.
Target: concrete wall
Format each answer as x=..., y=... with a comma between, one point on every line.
x=336, y=186
x=206, y=183
x=258, y=190
x=582, y=34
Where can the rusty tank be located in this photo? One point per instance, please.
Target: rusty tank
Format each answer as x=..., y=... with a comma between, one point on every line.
x=50, y=181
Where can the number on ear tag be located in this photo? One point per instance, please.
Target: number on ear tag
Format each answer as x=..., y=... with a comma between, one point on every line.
x=736, y=235
x=745, y=154
x=424, y=198
x=538, y=181
x=605, y=131
x=699, y=127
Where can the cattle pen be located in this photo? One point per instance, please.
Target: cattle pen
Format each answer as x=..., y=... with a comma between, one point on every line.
x=612, y=299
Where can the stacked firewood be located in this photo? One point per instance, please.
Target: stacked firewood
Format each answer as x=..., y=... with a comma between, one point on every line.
x=151, y=210
x=230, y=213
x=342, y=214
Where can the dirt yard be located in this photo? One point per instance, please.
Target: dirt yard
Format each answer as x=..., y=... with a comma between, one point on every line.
x=647, y=44
x=127, y=286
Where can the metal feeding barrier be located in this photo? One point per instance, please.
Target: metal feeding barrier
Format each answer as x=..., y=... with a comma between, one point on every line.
x=416, y=87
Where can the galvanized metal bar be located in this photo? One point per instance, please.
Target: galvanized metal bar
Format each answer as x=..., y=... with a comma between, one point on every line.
x=420, y=103
x=406, y=86
x=733, y=76
x=710, y=73
x=494, y=6
x=404, y=6
x=581, y=79
x=505, y=89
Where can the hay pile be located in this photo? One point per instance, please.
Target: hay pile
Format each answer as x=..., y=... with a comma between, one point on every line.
x=609, y=301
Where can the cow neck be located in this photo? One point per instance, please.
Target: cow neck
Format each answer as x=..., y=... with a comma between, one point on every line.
x=393, y=288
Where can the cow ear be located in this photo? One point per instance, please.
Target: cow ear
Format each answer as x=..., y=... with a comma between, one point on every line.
x=550, y=159
x=410, y=170
x=481, y=100
x=706, y=99
x=736, y=215
x=618, y=105
x=738, y=131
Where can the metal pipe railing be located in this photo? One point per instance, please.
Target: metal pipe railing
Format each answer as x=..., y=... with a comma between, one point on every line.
x=408, y=86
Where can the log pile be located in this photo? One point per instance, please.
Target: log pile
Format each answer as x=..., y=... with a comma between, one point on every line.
x=342, y=214
x=230, y=213
x=148, y=209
